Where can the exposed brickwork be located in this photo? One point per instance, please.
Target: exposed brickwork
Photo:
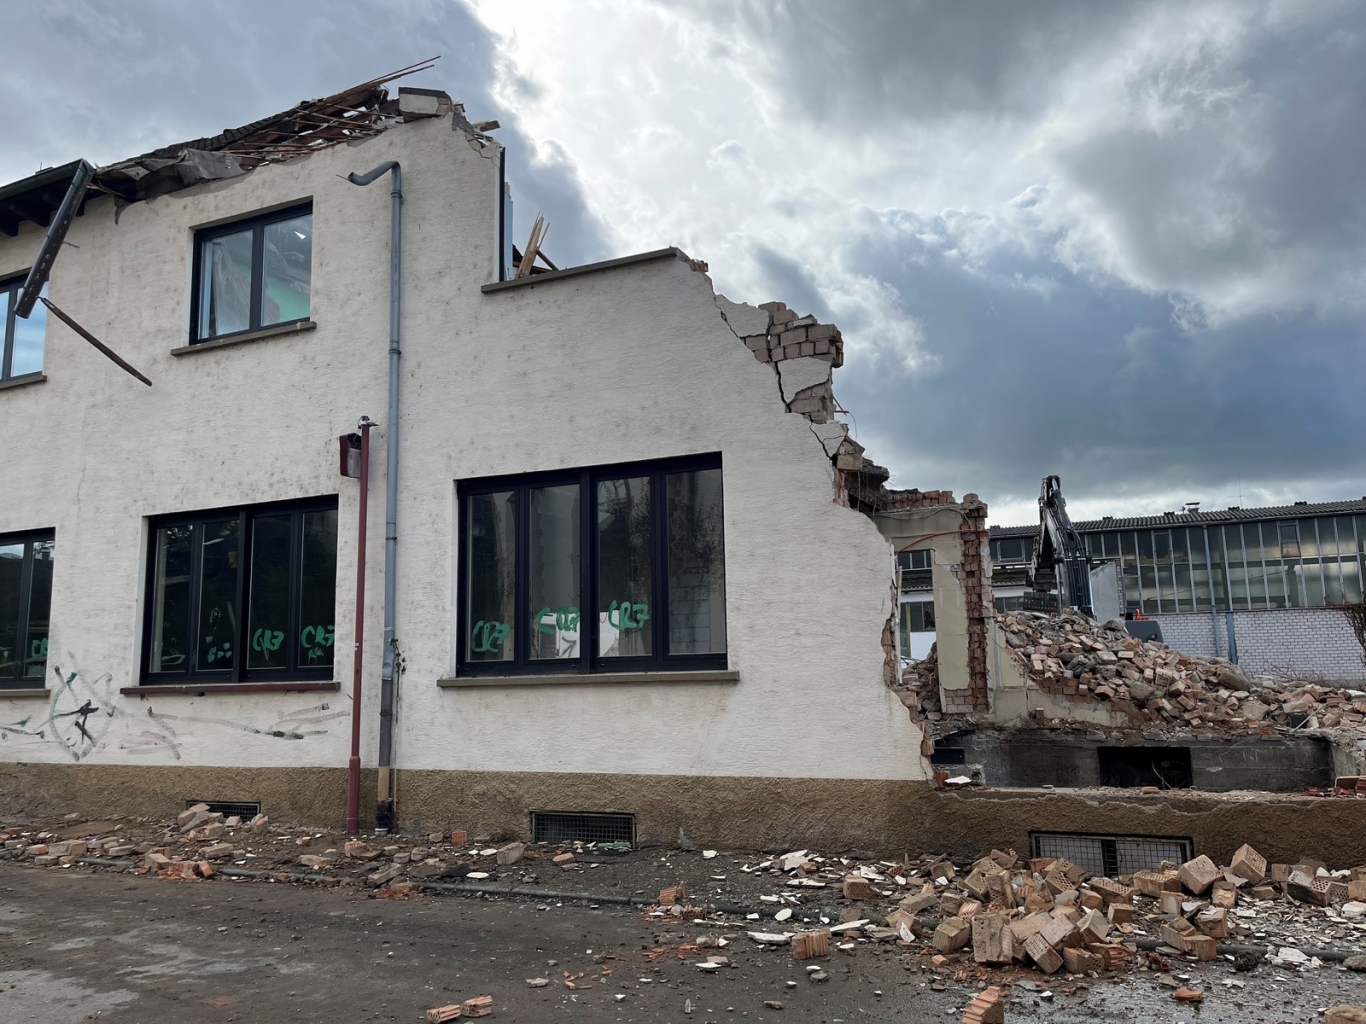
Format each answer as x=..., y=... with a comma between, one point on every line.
x=791, y=337
x=976, y=577
x=897, y=501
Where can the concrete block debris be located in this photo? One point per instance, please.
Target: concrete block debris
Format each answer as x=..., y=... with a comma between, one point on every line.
x=1199, y=874
x=810, y=944
x=952, y=935
x=479, y=1006
x=986, y=1007
x=1248, y=865
x=857, y=887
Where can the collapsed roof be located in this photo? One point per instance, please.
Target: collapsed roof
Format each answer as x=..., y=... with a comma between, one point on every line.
x=360, y=112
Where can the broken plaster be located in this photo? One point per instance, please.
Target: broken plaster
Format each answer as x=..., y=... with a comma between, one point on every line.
x=796, y=377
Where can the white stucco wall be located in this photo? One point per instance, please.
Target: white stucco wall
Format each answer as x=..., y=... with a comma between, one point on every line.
x=634, y=363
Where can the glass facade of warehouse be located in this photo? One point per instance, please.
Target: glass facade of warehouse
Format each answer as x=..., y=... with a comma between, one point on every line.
x=1303, y=562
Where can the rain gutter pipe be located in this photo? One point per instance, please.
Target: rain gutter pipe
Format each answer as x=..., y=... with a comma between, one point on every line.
x=384, y=806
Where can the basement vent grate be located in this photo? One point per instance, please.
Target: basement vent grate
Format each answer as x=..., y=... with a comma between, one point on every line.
x=1112, y=855
x=587, y=827
x=244, y=809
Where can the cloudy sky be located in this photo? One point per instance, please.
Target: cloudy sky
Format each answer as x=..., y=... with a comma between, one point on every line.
x=1124, y=242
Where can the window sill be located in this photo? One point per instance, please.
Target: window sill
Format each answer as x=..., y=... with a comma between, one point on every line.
x=204, y=689
x=24, y=381
x=28, y=691
x=727, y=676
x=239, y=339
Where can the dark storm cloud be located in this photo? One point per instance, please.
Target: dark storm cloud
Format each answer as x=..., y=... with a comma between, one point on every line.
x=1097, y=384
x=108, y=81
x=1181, y=307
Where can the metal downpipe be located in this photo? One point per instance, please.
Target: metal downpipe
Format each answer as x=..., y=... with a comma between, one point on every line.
x=384, y=808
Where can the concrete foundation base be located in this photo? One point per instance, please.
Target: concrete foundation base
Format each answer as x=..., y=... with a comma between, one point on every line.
x=829, y=815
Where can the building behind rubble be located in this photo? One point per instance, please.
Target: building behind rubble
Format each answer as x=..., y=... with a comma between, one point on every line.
x=1268, y=588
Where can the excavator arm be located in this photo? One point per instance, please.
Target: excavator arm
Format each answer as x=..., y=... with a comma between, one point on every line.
x=1060, y=560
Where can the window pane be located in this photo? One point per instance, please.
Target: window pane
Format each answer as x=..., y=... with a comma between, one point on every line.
x=493, y=575
x=554, y=563
x=697, y=564
x=269, y=612
x=1147, y=580
x=217, y=596
x=28, y=339
x=225, y=284
x=1351, y=580
x=318, y=590
x=1185, y=593
x=625, y=573
x=1162, y=544
x=39, y=609
x=1290, y=545
x=171, y=600
x=1309, y=545
x=1252, y=554
x=11, y=579
x=288, y=269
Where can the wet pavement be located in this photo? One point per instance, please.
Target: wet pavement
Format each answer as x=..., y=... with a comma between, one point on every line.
x=78, y=946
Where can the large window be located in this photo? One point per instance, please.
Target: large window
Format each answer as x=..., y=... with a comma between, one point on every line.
x=253, y=274
x=241, y=595
x=25, y=599
x=640, y=547
x=21, y=341
x=1306, y=563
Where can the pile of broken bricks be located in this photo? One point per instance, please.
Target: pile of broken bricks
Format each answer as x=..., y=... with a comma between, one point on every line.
x=1071, y=656
x=1149, y=684
x=1051, y=915
x=202, y=844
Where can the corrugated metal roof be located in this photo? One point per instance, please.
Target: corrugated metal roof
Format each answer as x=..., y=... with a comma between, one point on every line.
x=1301, y=510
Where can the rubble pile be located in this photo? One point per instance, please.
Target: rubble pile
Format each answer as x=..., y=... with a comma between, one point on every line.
x=1051, y=915
x=1071, y=656
x=200, y=844
x=1149, y=683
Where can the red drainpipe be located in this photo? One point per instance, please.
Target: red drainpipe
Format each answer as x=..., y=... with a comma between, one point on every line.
x=353, y=765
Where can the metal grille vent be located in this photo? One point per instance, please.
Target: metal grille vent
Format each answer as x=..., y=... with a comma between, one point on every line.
x=244, y=809
x=587, y=827
x=1112, y=855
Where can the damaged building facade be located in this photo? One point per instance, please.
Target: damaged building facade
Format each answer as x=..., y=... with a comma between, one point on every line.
x=586, y=523
x=606, y=475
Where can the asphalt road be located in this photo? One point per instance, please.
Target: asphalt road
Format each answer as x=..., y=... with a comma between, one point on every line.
x=76, y=946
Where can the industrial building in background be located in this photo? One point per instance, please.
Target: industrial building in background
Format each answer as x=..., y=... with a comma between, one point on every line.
x=1268, y=588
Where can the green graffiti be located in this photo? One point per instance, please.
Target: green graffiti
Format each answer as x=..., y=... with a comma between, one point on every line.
x=487, y=637
x=566, y=620
x=315, y=639
x=267, y=640
x=38, y=649
x=625, y=616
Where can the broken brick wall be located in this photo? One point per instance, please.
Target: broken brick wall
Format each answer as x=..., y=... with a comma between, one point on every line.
x=955, y=532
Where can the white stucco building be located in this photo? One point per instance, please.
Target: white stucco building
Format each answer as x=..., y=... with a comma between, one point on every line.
x=628, y=578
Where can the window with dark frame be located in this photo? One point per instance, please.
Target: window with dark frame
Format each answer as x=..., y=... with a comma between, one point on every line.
x=21, y=340
x=242, y=594
x=25, y=604
x=640, y=546
x=252, y=274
